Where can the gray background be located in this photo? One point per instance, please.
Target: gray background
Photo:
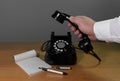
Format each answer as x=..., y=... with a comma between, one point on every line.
x=30, y=20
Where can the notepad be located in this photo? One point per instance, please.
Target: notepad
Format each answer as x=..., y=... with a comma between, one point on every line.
x=29, y=62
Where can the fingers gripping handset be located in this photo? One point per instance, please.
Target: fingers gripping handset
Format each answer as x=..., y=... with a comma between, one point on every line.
x=84, y=43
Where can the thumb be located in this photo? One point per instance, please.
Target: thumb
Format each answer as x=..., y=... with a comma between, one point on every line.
x=73, y=19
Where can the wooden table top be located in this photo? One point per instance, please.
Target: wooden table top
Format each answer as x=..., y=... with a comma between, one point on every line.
x=86, y=68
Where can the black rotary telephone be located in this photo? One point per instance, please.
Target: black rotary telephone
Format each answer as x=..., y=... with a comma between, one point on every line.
x=84, y=43
x=59, y=50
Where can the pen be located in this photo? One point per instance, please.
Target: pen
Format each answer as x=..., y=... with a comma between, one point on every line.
x=53, y=71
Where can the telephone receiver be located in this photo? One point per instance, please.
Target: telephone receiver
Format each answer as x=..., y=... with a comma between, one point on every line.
x=84, y=43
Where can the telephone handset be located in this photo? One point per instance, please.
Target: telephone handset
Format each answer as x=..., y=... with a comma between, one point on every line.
x=84, y=43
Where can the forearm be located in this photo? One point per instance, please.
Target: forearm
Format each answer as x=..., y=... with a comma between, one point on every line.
x=108, y=30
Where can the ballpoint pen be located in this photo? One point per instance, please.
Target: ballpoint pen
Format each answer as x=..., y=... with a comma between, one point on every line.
x=53, y=71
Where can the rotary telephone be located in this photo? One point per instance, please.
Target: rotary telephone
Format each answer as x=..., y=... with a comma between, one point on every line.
x=59, y=50
x=84, y=43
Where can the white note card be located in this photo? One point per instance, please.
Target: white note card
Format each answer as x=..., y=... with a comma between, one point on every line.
x=29, y=62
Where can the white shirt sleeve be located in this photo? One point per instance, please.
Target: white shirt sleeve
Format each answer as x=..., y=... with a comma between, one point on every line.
x=108, y=30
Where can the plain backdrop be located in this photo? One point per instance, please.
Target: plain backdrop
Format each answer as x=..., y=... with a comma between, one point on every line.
x=30, y=20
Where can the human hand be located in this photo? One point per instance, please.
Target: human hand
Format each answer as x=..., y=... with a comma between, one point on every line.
x=85, y=25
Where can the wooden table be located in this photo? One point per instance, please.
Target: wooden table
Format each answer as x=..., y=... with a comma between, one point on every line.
x=86, y=68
